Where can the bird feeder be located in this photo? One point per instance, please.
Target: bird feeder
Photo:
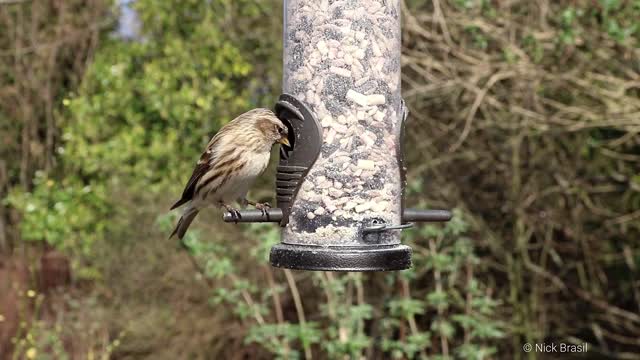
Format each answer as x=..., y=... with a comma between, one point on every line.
x=340, y=185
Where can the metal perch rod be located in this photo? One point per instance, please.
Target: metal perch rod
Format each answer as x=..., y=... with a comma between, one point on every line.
x=275, y=215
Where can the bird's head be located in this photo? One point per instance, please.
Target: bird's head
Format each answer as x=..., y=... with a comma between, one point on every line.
x=271, y=128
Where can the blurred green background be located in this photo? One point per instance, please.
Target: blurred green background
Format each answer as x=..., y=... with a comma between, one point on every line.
x=525, y=118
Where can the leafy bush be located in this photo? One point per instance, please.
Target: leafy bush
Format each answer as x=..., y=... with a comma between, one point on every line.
x=67, y=215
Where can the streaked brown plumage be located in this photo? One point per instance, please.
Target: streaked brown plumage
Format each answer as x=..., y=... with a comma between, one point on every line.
x=232, y=160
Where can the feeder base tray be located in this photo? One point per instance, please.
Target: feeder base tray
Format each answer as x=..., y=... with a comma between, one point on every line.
x=340, y=258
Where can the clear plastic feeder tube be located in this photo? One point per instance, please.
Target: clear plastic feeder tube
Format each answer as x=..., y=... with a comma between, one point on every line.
x=342, y=58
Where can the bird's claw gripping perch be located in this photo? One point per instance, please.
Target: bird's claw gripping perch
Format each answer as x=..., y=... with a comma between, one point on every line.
x=234, y=212
x=260, y=206
x=263, y=207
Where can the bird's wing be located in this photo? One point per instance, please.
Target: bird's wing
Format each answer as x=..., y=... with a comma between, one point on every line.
x=206, y=163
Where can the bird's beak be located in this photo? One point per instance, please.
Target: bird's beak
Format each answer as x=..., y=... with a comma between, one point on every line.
x=284, y=141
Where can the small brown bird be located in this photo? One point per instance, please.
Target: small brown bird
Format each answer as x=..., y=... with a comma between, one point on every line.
x=233, y=159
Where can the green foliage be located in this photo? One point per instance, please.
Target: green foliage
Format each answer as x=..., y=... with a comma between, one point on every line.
x=568, y=25
x=266, y=235
x=615, y=18
x=479, y=39
x=272, y=336
x=49, y=216
x=65, y=214
x=151, y=99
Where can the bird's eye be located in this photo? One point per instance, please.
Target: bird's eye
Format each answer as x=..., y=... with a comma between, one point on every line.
x=282, y=130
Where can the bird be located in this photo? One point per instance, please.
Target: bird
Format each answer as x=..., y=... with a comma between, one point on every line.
x=235, y=156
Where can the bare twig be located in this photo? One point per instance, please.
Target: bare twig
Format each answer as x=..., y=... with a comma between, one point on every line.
x=277, y=304
x=297, y=300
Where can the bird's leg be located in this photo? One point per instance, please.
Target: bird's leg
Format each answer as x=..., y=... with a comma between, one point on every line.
x=234, y=212
x=243, y=203
x=260, y=206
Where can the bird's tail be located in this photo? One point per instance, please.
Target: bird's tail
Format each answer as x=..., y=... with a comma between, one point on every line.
x=184, y=222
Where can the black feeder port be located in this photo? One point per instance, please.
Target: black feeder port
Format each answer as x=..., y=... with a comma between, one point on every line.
x=372, y=250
